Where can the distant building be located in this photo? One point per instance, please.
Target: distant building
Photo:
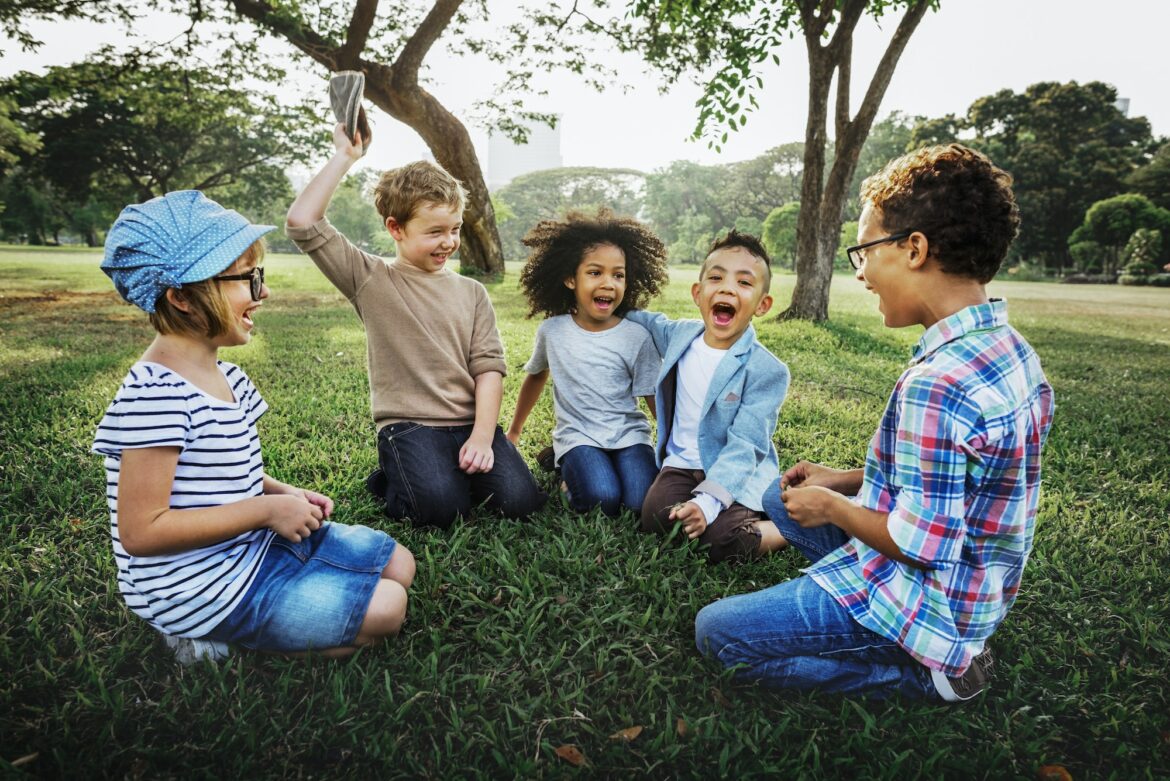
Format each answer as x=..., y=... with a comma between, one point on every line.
x=506, y=160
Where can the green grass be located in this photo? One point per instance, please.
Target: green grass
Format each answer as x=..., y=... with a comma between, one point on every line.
x=523, y=637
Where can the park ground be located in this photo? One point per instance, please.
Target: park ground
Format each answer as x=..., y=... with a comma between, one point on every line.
x=526, y=638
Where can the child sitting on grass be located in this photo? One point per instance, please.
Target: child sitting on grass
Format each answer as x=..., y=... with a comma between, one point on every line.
x=210, y=550
x=719, y=395
x=435, y=358
x=917, y=557
x=583, y=274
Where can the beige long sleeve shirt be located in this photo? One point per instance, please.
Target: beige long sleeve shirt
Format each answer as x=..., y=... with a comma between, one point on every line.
x=428, y=335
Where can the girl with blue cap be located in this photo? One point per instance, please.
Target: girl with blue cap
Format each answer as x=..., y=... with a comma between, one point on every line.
x=211, y=551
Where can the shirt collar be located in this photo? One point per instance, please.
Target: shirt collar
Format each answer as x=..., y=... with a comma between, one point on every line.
x=981, y=317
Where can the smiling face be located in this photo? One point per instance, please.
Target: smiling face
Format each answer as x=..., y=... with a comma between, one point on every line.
x=885, y=271
x=599, y=286
x=731, y=291
x=429, y=238
x=238, y=293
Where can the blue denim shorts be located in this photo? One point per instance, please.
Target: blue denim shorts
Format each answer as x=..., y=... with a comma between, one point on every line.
x=311, y=594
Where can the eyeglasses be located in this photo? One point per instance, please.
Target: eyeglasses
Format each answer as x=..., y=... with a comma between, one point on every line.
x=255, y=279
x=857, y=256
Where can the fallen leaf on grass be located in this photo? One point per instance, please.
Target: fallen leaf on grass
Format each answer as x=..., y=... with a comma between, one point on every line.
x=1053, y=773
x=628, y=734
x=499, y=597
x=600, y=558
x=571, y=754
x=562, y=599
x=680, y=726
x=719, y=698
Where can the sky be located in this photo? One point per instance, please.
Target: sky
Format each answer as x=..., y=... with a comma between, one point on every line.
x=965, y=50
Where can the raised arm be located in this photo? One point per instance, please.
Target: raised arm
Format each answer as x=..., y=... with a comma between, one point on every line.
x=310, y=205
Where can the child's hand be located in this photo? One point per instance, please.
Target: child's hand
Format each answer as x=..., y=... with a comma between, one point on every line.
x=811, y=506
x=691, y=517
x=342, y=143
x=806, y=474
x=476, y=455
x=320, y=500
x=293, y=517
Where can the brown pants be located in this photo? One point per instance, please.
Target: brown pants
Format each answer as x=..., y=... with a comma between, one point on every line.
x=732, y=537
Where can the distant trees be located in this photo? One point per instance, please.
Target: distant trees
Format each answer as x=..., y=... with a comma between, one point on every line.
x=544, y=195
x=110, y=131
x=1110, y=224
x=1067, y=146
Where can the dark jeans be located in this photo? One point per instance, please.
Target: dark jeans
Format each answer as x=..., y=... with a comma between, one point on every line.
x=610, y=479
x=732, y=537
x=425, y=484
x=796, y=636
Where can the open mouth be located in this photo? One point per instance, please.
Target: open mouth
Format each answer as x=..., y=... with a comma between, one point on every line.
x=722, y=314
x=603, y=303
x=247, y=318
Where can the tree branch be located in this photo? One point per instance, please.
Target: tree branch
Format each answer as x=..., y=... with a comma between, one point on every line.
x=307, y=40
x=357, y=34
x=885, y=69
x=410, y=59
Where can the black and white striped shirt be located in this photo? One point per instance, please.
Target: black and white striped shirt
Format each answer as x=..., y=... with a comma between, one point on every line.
x=188, y=593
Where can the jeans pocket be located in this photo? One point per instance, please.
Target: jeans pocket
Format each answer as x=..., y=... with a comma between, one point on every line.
x=400, y=429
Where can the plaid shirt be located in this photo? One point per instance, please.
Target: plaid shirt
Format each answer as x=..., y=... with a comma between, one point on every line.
x=956, y=464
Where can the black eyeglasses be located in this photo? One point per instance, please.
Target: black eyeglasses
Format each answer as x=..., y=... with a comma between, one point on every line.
x=857, y=259
x=255, y=279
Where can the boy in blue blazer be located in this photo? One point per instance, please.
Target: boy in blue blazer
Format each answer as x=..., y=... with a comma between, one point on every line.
x=718, y=398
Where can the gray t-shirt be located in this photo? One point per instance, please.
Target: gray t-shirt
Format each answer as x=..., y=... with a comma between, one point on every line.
x=597, y=378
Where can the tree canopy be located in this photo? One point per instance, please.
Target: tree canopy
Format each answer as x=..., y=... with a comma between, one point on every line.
x=725, y=43
x=1066, y=146
x=112, y=130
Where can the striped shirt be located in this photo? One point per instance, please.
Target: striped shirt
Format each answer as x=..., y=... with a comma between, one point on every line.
x=189, y=593
x=956, y=465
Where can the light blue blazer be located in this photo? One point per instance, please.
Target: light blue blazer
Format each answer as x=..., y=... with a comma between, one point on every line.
x=739, y=412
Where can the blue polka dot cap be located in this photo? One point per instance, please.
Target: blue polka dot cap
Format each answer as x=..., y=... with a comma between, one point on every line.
x=172, y=240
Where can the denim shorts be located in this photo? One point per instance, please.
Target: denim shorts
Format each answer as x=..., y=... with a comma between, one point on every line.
x=311, y=594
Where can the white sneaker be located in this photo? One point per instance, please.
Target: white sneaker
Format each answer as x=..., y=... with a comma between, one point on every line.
x=189, y=650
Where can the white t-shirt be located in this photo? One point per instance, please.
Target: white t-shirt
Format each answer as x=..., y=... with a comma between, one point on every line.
x=191, y=592
x=695, y=370
x=696, y=367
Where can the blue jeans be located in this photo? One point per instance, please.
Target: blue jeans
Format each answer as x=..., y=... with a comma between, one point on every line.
x=311, y=594
x=425, y=484
x=610, y=479
x=795, y=636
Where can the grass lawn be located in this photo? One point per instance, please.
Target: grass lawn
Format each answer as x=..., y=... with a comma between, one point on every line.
x=525, y=637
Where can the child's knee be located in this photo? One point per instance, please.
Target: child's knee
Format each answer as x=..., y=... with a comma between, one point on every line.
x=401, y=567
x=385, y=614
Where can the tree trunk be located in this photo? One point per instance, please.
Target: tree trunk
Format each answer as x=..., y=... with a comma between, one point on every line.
x=395, y=89
x=822, y=201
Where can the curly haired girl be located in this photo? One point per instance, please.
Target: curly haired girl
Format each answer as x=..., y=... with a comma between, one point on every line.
x=583, y=273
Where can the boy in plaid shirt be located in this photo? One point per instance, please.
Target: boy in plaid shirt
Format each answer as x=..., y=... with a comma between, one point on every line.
x=918, y=556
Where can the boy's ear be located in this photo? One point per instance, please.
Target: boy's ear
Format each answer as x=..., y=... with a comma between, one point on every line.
x=571, y=283
x=764, y=305
x=919, y=250
x=176, y=299
x=395, y=228
x=695, y=287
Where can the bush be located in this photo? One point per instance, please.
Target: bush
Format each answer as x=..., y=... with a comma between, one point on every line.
x=1090, y=279
x=1159, y=280
x=1133, y=279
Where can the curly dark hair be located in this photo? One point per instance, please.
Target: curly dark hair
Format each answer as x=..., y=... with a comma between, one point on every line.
x=558, y=247
x=957, y=198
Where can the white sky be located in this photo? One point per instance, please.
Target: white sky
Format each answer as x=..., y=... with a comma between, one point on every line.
x=968, y=49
